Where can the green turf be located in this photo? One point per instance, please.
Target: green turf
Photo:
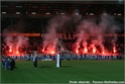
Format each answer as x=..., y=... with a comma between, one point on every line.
x=80, y=70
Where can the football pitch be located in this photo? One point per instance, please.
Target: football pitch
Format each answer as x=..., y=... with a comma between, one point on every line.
x=72, y=70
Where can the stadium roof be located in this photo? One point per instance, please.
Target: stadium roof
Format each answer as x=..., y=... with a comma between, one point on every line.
x=48, y=8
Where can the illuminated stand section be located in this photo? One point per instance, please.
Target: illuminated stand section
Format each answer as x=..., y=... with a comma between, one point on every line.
x=58, y=63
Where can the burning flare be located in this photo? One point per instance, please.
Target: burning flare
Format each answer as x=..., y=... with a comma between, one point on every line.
x=114, y=49
x=94, y=50
x=85, y=50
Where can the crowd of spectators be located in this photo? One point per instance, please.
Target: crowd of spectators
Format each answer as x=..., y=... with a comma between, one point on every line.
x=68, y=56
x=8, y=62
x=36, y=44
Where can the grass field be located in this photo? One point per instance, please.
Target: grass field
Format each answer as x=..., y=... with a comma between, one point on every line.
x=75, y=70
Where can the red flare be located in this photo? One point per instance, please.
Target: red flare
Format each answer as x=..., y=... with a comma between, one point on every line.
x=103, y=52
x=94, y=50
x=17, y=52
x=52, y=52
x=114, y=49
x=10, y=50
x=43, y=50
x=77, y=51
x=85, y=50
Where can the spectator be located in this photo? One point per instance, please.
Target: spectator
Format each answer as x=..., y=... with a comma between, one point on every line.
x=12, y=64
x=35, y=60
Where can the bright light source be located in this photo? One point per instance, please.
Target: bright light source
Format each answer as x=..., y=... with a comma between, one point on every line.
x=77, y=51
x=86, y=13
x=17, y=12
x=94, y=50
x=114, y=13
x=105, y=14
x=33, y=13
x=47, y=13
x=103, y=52
x=120, y=0
x=91, y=13
x=76, y=13
x=52, y=52
x=17, y=52
x=85, y=50
x=10, y=50
x=119, y=14
x=62, y=13
x=3, y=12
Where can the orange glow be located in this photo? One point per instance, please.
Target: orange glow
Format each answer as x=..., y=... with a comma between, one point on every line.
x=77, y=51
x=103, y=52
x=114, y=49
x=94, y=50
x=43, y=50
x=85, y=50
x=17, y=52
x=10, y=50
x=52, y=52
